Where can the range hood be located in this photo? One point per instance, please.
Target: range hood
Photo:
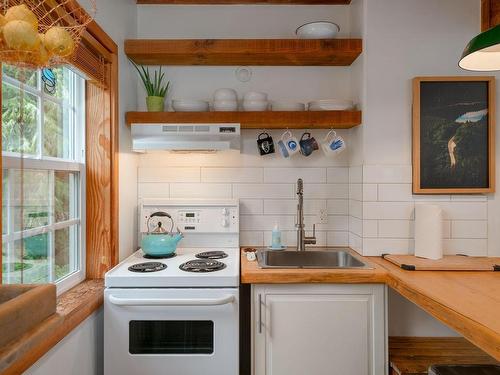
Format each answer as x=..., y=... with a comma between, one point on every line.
x=185, y=137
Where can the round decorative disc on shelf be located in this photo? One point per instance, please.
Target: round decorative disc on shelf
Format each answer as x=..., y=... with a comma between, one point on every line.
x=42, y=33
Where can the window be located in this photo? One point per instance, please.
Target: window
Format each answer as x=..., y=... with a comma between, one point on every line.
x=43, y=178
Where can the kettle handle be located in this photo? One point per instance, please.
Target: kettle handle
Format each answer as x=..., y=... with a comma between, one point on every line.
x=160, y=214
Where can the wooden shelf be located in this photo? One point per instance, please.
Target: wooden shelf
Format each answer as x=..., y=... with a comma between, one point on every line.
x=229, y=52
x=254, y=120
x=219, y=2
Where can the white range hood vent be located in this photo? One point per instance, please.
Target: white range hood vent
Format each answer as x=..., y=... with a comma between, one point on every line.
x=185, y=137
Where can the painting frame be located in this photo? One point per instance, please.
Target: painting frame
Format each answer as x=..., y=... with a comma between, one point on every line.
x=416, y=132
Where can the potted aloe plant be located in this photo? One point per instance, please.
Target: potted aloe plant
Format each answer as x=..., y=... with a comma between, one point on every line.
x=155, y=88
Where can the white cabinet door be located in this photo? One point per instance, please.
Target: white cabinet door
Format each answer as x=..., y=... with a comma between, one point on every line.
x=319, y=330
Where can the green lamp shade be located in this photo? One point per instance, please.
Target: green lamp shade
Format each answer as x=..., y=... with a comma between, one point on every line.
x=482, y=54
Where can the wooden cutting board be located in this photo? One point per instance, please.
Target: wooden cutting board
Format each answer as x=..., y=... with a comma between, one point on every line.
x=448, y=263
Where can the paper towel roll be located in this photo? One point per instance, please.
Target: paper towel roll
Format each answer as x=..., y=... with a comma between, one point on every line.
x=428, y=231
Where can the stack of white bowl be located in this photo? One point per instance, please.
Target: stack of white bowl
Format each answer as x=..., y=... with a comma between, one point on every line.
x=255, y=101
x=225, y=100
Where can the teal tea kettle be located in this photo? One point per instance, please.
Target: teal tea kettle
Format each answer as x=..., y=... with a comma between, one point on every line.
x=158, y=242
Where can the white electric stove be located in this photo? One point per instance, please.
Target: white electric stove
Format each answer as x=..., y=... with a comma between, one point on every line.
x=178, y=315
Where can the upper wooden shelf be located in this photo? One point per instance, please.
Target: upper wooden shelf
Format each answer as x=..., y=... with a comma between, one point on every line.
x=254, y=120
x=222, y=2
x=228, y=52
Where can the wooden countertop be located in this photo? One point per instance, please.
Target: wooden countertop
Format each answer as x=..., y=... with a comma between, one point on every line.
x=251, y=273
x=468, y=302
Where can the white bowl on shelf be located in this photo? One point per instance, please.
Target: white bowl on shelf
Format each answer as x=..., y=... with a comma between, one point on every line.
x=255, y=105
x=189, y=105
x=225, y=105
x=255, y=96
x=318, y=30
x=225, y=94
x=330, y=105
x=287, y=106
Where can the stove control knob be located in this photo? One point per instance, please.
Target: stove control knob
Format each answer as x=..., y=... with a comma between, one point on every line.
x=225, y=223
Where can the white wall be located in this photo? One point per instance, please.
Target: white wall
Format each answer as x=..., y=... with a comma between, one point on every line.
x=79, y=353
x=405, y=39
x=264, y=185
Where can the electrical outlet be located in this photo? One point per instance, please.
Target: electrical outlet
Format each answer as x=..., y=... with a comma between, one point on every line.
x=322, y=216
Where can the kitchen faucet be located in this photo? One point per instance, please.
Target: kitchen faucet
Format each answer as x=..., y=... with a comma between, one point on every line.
x=302, y=240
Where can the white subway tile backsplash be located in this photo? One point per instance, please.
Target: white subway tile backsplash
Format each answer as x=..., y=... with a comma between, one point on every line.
x=356, y=242
x=245, y=175
x=356, y=192
x=338, y=175
x=355, y=225
x=291, y=175
x=388, y=210
x=464, y=210
x=469, y=198
x=289, y=238
x=182, y=190
x=266, y=222
x=340, y=223
x=173, y=174
x=337, y=239
x=395, y=193
x=396, y=229
x=379, y=246
x=149, y=190
x=326, y=191
x=356, y=174
x=387, y=174
x=248, y=238
x=338, y=207
x=471, y=247
x=370, y=228
x=289, y=206
x=370, y=208
x=262, y=191
x=469, y=229
x=370, y=192
x=356, y=209
x=251, y=206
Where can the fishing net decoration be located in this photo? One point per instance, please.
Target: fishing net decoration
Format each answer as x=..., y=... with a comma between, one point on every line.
x=39, y=34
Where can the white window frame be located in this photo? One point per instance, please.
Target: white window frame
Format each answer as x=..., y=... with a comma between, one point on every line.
x=75, y=163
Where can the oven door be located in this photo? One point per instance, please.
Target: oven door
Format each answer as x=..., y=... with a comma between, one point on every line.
x=171, y=331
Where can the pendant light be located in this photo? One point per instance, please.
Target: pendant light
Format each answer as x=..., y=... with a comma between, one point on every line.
x=482, y=54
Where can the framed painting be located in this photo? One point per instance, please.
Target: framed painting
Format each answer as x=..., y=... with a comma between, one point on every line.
x=453, y=135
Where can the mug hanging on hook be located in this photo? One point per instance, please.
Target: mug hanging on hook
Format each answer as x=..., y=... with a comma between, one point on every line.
x=333, y=144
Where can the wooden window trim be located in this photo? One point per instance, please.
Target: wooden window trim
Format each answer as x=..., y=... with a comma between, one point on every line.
x=75, y=305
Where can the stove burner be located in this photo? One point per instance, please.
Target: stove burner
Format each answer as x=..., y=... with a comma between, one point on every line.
x=212, y=255
x=168, y=256
x=147, y=267
x=202, y=265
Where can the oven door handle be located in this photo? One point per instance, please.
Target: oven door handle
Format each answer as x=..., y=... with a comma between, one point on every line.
x=170, y=302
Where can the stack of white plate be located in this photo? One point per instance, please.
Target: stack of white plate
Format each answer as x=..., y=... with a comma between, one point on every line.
x=331, y=105
x=187, y=105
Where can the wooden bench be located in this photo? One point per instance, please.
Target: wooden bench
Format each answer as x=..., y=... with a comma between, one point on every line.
x=414, y=355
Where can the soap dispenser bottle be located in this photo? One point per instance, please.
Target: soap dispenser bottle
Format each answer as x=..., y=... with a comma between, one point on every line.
x=276, y=238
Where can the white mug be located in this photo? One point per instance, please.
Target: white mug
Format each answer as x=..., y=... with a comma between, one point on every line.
x=333, y=144
x=289, y=145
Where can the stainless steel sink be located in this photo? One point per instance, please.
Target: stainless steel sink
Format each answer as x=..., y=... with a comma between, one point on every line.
x=338, y=258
